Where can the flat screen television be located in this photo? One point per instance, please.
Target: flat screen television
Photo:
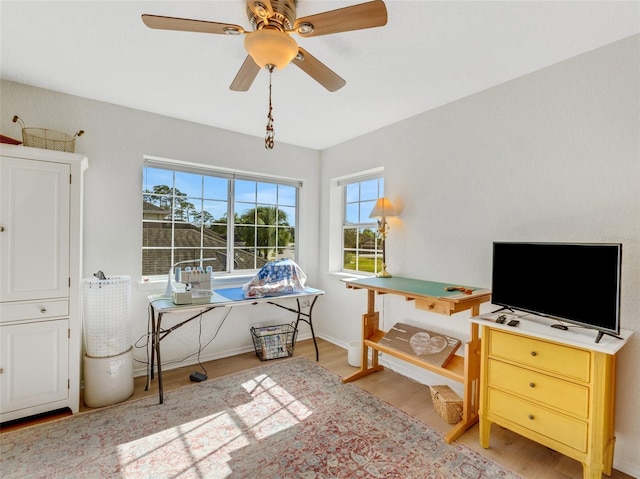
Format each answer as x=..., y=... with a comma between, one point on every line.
x=569, y=282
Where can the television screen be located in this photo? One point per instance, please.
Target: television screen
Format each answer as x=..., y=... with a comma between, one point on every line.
x=578, y=283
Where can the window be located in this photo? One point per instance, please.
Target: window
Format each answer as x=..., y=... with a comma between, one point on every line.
x=361, y=248
x=233, y=222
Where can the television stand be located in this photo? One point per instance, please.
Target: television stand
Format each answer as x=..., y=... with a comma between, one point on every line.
x=504, y=308
x=561, y=326
x=602, y=333
x=554, y=387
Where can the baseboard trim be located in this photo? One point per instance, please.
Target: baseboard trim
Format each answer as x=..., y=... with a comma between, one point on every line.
x=141, y=369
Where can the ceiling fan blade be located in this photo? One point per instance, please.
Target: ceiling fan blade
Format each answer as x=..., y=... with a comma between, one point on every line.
x=318, y=70
x=187, y=25
x=356, y=17
x=245, y=76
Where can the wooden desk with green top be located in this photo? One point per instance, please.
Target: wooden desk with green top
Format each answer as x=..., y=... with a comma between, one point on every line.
x=433, y=297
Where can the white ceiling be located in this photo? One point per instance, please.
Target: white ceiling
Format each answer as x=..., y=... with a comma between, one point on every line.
x=429, y=54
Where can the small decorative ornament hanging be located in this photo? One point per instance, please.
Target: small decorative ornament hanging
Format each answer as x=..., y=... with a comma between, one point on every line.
x=269, y=139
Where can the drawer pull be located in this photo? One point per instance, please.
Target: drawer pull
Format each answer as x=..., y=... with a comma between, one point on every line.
x=531, y=416
x=532, y=385
x=533, y=353
x=43, y=309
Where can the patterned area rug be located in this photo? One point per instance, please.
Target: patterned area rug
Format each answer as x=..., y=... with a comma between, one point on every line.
x=287, y=419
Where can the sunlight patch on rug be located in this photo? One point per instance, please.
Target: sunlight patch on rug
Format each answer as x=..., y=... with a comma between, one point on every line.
x=273, y=408
x=216, y=436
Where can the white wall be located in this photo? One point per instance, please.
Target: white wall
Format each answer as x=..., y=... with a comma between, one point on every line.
x=552, y=156
x=115, y=141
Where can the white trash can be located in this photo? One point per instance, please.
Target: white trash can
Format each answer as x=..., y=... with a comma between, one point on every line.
x=354, y=353
x=108, y=380
x=106, y=316
x=108, y=354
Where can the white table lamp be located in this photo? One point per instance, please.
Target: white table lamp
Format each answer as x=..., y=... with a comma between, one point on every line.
x=383, y=209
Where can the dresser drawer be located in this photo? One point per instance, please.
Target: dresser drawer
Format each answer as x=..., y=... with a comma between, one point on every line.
x=21, y=310
x=554, y=392
x=541, y=355
x=554, y=425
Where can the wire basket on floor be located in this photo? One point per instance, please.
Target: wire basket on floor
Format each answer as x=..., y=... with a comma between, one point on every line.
x=47, y=139
x=273, y=342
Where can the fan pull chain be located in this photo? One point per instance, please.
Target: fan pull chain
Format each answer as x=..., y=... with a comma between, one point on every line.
x=269, y=139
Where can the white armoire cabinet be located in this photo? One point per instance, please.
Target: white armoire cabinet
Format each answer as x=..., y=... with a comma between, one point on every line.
x=40, y=278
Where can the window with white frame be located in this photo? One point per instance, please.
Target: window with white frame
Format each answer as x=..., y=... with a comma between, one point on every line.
x=233, y=222
x=361, y=248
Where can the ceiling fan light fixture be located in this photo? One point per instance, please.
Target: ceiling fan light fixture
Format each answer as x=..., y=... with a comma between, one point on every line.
x=270, y=47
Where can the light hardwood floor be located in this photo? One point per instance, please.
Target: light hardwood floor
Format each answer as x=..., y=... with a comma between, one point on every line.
x=527, y=458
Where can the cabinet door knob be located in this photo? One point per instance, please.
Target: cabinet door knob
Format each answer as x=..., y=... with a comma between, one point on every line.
x=43, y=309
x=1, y=370
x=532, y=385
x=531, y=416
x=1, y=228
x=533, y=353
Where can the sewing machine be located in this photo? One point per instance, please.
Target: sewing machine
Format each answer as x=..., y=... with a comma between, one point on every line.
x=197, y=286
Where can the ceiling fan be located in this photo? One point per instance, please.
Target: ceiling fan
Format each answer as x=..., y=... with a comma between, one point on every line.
x=269, y=44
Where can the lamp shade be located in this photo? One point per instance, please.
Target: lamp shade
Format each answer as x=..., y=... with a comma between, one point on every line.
x=270, y=47
x=382, y=209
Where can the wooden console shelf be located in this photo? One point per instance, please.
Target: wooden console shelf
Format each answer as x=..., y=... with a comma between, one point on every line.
x=434, y=297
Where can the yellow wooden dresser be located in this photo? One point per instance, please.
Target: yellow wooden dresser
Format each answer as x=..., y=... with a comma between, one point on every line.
x=554, y=387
